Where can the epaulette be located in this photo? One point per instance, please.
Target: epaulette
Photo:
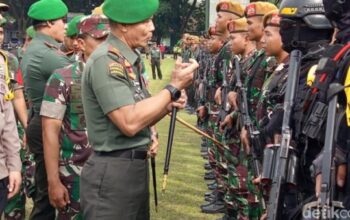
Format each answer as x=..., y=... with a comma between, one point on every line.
x=114, y=51
x=115, y=68
x=51, y=45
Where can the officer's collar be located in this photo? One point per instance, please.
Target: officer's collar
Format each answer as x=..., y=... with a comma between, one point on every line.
x=124, y=49
x=47, y=39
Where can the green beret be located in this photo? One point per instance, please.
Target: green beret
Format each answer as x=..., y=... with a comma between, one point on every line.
x=72, y=28
x=45, y=10
x=134, y=11
x=30, y=32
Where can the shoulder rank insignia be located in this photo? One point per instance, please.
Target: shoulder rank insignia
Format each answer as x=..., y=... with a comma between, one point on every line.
x=116, y=69
x=114, y=50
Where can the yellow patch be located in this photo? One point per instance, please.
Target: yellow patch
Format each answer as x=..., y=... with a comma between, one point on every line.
x=347, y=93
x=289, y=11
x=311, y=75
x=116, y=69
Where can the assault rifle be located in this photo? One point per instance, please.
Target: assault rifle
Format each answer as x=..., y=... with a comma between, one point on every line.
x=254, y=134
x=275, y=205
x=204, y=91
x=224, y=91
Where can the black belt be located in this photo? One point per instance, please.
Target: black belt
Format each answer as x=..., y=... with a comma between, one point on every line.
x=128, y=154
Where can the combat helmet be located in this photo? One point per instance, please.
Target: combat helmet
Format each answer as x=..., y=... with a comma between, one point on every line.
x=310, y=11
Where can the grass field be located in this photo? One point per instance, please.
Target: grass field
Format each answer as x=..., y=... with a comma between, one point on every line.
x=185, y=185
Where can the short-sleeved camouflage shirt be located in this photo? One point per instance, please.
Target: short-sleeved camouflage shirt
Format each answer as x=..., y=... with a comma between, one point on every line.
x=62, y=101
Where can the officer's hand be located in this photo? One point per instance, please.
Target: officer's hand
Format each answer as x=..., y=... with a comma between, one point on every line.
x=58, y=194
x=154, y=147
x=228, y=122
x=182, y=75
x=341, y=175
x=15, y=180
x=201, y=112
x=232, y=100
x=180, y=103
x=245, y=140
x=217, y=96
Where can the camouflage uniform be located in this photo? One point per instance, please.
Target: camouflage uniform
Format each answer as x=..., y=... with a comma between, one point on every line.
x=62, y=101
x=15, y=208
x=256, y=68
x=215, y=79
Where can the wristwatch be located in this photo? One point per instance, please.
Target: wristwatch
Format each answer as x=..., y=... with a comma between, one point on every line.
x=174, y=92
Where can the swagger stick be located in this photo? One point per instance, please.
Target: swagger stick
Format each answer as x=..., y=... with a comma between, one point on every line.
x=153, y=166
x=196, y=130
x=169, y=147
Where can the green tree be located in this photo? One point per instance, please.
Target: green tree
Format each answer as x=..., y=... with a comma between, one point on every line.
x=176, y=17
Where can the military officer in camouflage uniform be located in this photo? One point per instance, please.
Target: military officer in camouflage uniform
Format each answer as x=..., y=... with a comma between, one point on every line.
x=41, y=58
x=65, y=139
x=255, y=71
x=119, y=114
x=272, y=95
x=271, y=99
x=236, y=186
x=226, y=11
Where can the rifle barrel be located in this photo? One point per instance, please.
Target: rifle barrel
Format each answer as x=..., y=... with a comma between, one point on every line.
x=278, y=183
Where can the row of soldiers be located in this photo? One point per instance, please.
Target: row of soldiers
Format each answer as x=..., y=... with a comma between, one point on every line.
x=241, y=88
x=52, y=152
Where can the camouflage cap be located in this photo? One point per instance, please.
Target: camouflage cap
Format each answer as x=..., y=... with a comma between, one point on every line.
x=259, y=9
x=272, y=19
x=230, y=7
x=4, y=7
x=97, y=26
x=238, y=26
